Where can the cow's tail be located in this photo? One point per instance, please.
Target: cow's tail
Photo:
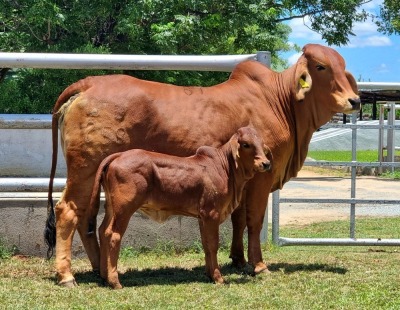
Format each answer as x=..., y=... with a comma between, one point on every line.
x=95, y=197
x=50, y=228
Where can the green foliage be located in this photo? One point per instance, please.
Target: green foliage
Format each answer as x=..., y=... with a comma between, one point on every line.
x=389, y=20
x=153, y=27
x=395, y=175
x=6, y=251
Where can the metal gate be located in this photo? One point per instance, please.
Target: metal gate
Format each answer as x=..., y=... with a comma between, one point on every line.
x=352, y=200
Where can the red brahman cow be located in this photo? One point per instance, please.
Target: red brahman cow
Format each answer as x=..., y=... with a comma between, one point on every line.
x=207, y=185
x=102, y=115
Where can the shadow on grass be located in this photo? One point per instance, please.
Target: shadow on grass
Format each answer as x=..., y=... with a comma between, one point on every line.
x=167, y=276
x=176, y=275
x=291, y=268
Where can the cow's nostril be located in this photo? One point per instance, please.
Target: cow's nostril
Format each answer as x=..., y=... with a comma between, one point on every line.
x=266, y=165
x=355, y=102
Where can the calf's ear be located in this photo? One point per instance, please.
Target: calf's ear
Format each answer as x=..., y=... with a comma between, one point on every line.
x=302, y=79
x=235, y=149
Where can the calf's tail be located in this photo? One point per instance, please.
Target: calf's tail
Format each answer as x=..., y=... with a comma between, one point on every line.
x=95, y=197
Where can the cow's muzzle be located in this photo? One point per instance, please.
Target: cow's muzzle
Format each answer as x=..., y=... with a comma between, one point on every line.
x=355, y=103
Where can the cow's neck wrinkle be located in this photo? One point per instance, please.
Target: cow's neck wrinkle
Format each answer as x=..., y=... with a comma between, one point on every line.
x=308, y=119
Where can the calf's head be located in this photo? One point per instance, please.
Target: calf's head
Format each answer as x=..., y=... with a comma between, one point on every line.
x=320, y=72
x=249, y=152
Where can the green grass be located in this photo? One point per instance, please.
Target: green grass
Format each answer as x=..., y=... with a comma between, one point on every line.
x=301, y=277
x=362, y=156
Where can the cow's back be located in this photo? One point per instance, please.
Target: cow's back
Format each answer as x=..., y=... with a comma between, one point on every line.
x=120, y=112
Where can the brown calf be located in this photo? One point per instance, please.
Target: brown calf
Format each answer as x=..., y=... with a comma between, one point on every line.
x=207, y=185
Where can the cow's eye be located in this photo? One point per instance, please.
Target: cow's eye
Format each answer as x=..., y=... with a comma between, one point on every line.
x=245, y=145
x=320, y=67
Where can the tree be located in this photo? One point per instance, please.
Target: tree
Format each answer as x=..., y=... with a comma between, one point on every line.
x=389, y=19
x=154, y=27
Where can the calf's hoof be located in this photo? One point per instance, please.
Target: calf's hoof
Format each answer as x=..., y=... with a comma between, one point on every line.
x=68, y=283
x=115, y=286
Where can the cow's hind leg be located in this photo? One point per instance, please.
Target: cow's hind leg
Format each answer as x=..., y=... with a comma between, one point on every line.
x=209, y=230
x=65, y=228
x=71, y=215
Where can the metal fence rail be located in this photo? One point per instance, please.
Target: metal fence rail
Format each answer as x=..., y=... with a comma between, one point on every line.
x=352, y=201
x=129, y=62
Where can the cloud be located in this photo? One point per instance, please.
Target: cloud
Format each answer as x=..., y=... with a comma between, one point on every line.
x=383, y=68
x=369, y=41
x=293, y=59
x=372, y=5
x=366, y=33
x=301, y=31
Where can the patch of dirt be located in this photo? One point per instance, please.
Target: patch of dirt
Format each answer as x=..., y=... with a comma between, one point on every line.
x=324, y=183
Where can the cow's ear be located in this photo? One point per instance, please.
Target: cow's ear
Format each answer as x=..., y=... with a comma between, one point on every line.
x=235, y=149
x=352, y=81
x=302, y=79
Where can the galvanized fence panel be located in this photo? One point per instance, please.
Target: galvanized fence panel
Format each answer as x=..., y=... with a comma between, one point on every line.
x=352, y=201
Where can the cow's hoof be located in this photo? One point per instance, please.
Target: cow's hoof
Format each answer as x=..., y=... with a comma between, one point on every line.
x=261, y=268
x=239, y=263
x=219, y=281
x=68, y=283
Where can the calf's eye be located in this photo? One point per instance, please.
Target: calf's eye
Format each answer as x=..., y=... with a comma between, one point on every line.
x=245, y=145
x=320, y=67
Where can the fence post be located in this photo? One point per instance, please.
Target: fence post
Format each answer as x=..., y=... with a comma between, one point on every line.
x=275, y=217
x=390, y=134
x=264, y=58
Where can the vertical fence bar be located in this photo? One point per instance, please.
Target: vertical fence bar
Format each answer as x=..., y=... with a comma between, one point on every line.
x=390, y=133
x=381, y=136
x=275, y=217
x=353, y=175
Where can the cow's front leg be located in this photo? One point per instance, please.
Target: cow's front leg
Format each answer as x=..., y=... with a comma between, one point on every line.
x=209, y=231
x=256, y=204
x=238, y=219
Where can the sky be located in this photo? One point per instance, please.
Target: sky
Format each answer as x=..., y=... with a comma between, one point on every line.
x=370, y=55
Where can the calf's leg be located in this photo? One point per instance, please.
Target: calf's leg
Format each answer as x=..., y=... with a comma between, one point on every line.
x=111, y=232
x=209, y=230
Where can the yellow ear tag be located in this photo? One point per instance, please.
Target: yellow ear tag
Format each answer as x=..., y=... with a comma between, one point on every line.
x=303, y=83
